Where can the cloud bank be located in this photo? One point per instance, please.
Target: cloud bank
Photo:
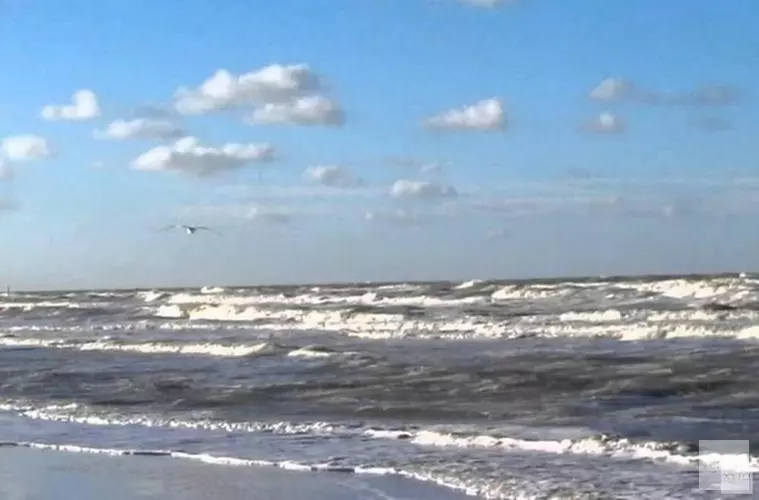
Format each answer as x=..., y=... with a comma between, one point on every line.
x=423, y=190
x=187, y=155
x=618, y=89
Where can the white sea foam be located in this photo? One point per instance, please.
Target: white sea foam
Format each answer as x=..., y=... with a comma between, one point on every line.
x=59, y=304
x=618, y=448
x=628, y=326
x=637, y=325
x=468, y=284
x=80, y=414
x=608, y=315
x=728, y=289
x=207, y=349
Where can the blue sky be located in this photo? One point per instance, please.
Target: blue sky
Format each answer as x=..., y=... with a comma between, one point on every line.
x=445, y=140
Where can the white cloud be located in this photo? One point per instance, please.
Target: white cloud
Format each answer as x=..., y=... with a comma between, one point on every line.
x=620, y=89
x=140, y=128
x=407, y=188
x=187, y=155
x=484, y=115
x=607, y=123
x=84, y=106
x=269, y=216
x=26, y=148
x=271, y=84
x=612, y=89
x=331, y=175
x=309, y=110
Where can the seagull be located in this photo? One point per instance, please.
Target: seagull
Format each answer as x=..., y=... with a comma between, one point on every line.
x=189, y=229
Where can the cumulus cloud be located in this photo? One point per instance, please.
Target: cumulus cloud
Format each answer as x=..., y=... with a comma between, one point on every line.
x=272, y=84
x=310, y=110
x=617, y=89
x=140, y=128
x=269, y=216
x=84, y=106
x=607, y=123
x=188, y=156
x=407, y=188
x=26, y=148
x=612, y=89
x=484, y=115
x=331, y=175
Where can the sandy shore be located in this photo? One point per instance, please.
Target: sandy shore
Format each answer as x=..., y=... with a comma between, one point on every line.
x=28, y=474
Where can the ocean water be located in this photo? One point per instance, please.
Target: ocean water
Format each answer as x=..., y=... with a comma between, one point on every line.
x=591, y=388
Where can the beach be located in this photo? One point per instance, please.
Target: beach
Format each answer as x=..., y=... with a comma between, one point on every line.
x=29, y=474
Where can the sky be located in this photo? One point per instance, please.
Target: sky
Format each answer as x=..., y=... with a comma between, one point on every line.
x=375, y=140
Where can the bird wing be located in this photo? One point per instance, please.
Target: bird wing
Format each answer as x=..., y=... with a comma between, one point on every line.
x=206, y=228
x=166, y=228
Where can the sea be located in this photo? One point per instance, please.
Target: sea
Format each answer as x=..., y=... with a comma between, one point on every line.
x=592, y=388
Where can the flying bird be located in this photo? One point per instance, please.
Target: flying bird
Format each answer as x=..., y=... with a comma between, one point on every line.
x=189, y=229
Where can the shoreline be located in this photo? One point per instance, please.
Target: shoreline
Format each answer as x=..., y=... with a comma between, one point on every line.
x=50, y=474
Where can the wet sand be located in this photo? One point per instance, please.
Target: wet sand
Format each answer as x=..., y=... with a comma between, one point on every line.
x=29, y=474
